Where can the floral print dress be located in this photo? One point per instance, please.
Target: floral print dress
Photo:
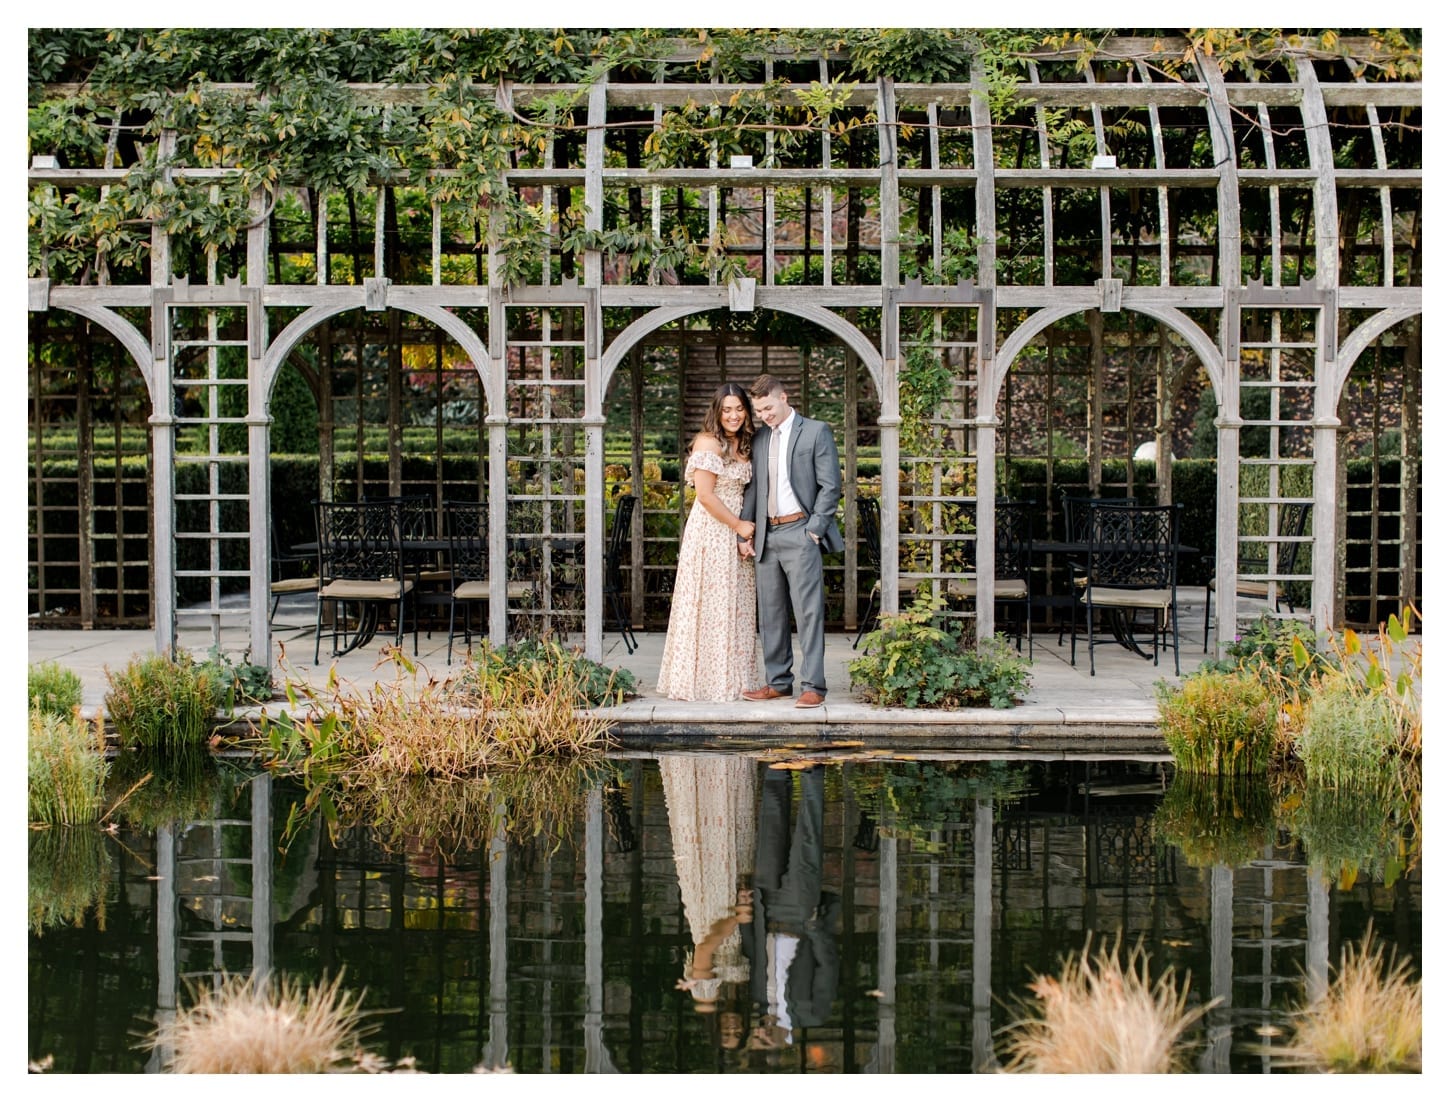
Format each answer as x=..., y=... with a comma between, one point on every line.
x=711, y=652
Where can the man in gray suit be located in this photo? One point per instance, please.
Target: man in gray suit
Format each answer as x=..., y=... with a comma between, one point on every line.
x=792, y=497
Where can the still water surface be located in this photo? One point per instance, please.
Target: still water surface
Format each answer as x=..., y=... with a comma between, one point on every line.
x=711, y=913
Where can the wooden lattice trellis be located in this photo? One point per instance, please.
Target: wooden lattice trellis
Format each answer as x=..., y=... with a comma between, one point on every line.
x=922, y=181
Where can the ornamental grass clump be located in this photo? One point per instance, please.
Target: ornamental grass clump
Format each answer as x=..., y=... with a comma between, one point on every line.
x=52, y=689
x=67, y=769
x=166, y=702
x=1369, y=1020
x=1348, y=737
x=1103, y=1015
x=1222, y=723
x=277, y=1028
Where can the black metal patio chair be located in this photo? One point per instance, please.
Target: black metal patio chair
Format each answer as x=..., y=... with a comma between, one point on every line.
x=1012, y=569
x=290, y=572
x=361, y=563
x=468, y=563
x=614, y=551
x=1131, y=564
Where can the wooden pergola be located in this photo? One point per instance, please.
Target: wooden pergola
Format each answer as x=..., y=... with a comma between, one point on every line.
x=549, y=368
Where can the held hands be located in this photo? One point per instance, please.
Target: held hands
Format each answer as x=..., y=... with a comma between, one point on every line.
x=744, y=531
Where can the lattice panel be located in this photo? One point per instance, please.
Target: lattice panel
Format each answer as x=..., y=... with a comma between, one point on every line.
x=938, y=478
x=544, y=395
x=1279, y=357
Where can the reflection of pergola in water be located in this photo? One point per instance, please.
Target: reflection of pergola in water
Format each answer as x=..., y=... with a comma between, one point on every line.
x=1099, y=306
x=203, y=932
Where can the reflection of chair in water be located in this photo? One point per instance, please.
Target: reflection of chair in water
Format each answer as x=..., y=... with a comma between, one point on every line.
x=613, y=572
x=1293, y=519
x=361, y=562
x=1012, y=570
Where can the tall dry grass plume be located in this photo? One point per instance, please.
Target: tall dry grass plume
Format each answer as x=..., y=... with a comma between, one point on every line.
x=1103, y=1015
x=279, y=1028
x=1368, y=1021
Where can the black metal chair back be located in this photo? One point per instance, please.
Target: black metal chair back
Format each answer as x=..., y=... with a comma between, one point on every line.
x=1013, y=543
x=1075, y=517
x=614, y=550
x=1293, y=519
x=868, y=522
x=416, y=520
x=467, y=524
x=358, y=541
x=868, y=525
x=1133, y=546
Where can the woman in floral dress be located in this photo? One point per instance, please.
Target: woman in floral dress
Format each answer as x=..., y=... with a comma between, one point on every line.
x=711, y=648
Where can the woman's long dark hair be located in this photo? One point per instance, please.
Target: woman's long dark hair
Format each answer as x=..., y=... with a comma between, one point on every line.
x=713, y=426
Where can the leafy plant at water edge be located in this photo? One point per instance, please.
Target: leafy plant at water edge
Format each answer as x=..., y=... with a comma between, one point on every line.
x=248, y=681
x=1216, y=820
x=1370, y=1019
x=1348, y=738
x=53, y=689
x=913, y=661
x=69, y=876
x=166, y=701
x=508, y=670
x=1103, y=1015
x=1365, y=671
x=67, y=769
x=1218, y=723
x=1267, y=650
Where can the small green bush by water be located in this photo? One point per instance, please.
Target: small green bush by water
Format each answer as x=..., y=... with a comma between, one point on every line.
x=166, y=701
x=1347, y=737
x=53, y=689
x=914, y=661
x=1218, y=723
x=67, y=769
x=493, y=667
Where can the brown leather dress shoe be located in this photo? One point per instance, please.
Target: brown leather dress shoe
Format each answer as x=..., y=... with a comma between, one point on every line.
x=810, y=699
x=768, y=692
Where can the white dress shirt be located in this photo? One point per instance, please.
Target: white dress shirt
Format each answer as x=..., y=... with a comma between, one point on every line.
x=785, y=499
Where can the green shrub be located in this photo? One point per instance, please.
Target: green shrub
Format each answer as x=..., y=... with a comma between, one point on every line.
x=166, y=701
x=1216, y=820
x=1218, y=723
x=914, y=660
x=246, y=680
x=67, y=769
x=1266, y=650
x=596, y=684
x=53, y=689
x=1348, y=737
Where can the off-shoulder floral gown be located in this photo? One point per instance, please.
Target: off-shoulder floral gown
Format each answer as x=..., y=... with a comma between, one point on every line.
x=711, y=650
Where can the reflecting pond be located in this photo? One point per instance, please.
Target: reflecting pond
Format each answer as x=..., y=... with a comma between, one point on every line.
x=693, y=912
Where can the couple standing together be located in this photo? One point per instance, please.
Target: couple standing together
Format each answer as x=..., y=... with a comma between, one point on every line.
x=764, y=514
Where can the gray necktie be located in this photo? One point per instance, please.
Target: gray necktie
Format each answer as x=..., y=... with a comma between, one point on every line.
x=772, y=459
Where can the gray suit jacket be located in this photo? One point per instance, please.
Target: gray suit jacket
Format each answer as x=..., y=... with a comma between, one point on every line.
x=815, y=477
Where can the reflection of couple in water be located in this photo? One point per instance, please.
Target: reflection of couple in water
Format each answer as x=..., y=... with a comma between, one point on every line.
x=751, y=888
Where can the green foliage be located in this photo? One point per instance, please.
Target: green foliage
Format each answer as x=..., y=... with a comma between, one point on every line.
x=926, y=383
x=67, y=769
x=1218, y=723
x=915, y=660
x=246, y=681
x=52, y=689
x=1348, y=738
x=1216, y=820
x=551, y=663
x=1350, y=831
x=914, y=800
x=152, y=789
x=1280, y=653
x=70, y=872
x=166, y=702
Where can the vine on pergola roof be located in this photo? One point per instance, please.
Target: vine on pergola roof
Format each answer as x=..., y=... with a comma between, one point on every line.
x=445, y=120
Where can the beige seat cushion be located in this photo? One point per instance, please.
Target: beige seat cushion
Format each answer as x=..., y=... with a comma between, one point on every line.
x=435, y=576
x=356, y=589
x=1107, y=597
x=294, y=585
x=1247, y=587
x=478, y=591
x=1006, y=589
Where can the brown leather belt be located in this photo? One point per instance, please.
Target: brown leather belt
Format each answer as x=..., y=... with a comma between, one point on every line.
x=789, y=518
